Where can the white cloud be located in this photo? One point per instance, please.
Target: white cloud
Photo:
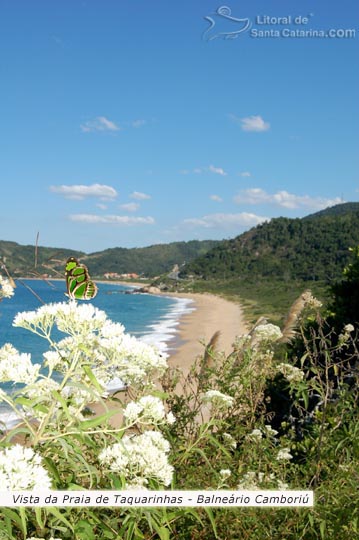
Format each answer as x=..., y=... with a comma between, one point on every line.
x=243, y=219
x=138, y=123
x=112, y=219
x=284, y=199
x=217, y=170
x=101, y=206
x=139, y=196
x=250, y=123
x=100, y=123
x=245, y=174
x=200, y=170
x=80, y=191
x=130, y=207
x=254, y=123
x=216, y=198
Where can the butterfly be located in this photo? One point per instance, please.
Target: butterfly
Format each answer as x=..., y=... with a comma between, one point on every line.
x=78, y=283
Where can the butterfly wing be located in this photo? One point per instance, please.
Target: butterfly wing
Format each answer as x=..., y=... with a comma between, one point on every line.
x=78, y=283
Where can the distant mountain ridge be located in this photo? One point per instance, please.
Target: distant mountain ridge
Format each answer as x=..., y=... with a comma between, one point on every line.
x=315, y=247
x=336, y=210
x=149, y=261
x=312, y=248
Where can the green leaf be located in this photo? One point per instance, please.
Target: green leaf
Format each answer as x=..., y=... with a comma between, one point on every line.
x=22, y=512
x=57, y=396
x=39, y=519
x=12, y=516
x=84, y=530
x=322, y=528
x=50, y=465
x=163, y=532
x=210, y=515
x=99, y=420
x=92, y=378
x=57, y=514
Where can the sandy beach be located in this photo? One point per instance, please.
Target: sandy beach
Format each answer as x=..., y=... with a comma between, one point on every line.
x=211, y=314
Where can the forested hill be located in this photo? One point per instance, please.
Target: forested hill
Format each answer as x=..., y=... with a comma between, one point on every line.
x=24, y=259
x=312, y=248
x=149, y=261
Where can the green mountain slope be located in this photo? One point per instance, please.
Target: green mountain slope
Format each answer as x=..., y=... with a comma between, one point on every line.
x=150, y=261
x=21, y=260
x=312, y=248
x=337, y=210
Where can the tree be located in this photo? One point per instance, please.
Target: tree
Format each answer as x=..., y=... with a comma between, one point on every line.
x=345, y=304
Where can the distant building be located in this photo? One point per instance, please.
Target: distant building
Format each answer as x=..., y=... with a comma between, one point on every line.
x=115, y=275
x=111, y=275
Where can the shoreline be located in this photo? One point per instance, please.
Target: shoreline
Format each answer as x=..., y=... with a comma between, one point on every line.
x=211, y=313
x=207, y=314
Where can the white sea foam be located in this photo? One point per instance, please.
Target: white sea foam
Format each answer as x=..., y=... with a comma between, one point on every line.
x=162, y=332
x=8, y=419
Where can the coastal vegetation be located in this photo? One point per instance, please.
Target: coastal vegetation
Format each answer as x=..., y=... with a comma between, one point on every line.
x=279, y=412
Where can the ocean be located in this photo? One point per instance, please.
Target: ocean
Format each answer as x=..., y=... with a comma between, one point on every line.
x=152, y=319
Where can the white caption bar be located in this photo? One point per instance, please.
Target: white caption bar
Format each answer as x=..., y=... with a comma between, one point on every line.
x=134, y=498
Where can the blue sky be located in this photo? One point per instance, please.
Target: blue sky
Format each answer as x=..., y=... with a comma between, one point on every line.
x=125, y=124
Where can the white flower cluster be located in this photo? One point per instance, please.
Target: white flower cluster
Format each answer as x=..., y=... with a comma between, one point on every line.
x=348, y=328
x=140, y=458
x=258, y=480
x=228, y=439
x=255, y=435
x=218, y=399
x=269, y=431
x=94, y=341
x=345, y=336
x=284, y=454
x=6, y=289
x=17, y=367
x=147, y=410
x=268, y=333
x=41, y=398
x=36, y=538
x=253, y=480
x=310, y=301
x=225, y=473
x=21, y=469
x=291, y=373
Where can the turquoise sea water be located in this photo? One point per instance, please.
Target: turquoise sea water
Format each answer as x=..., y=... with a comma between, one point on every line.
x=153, y=319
